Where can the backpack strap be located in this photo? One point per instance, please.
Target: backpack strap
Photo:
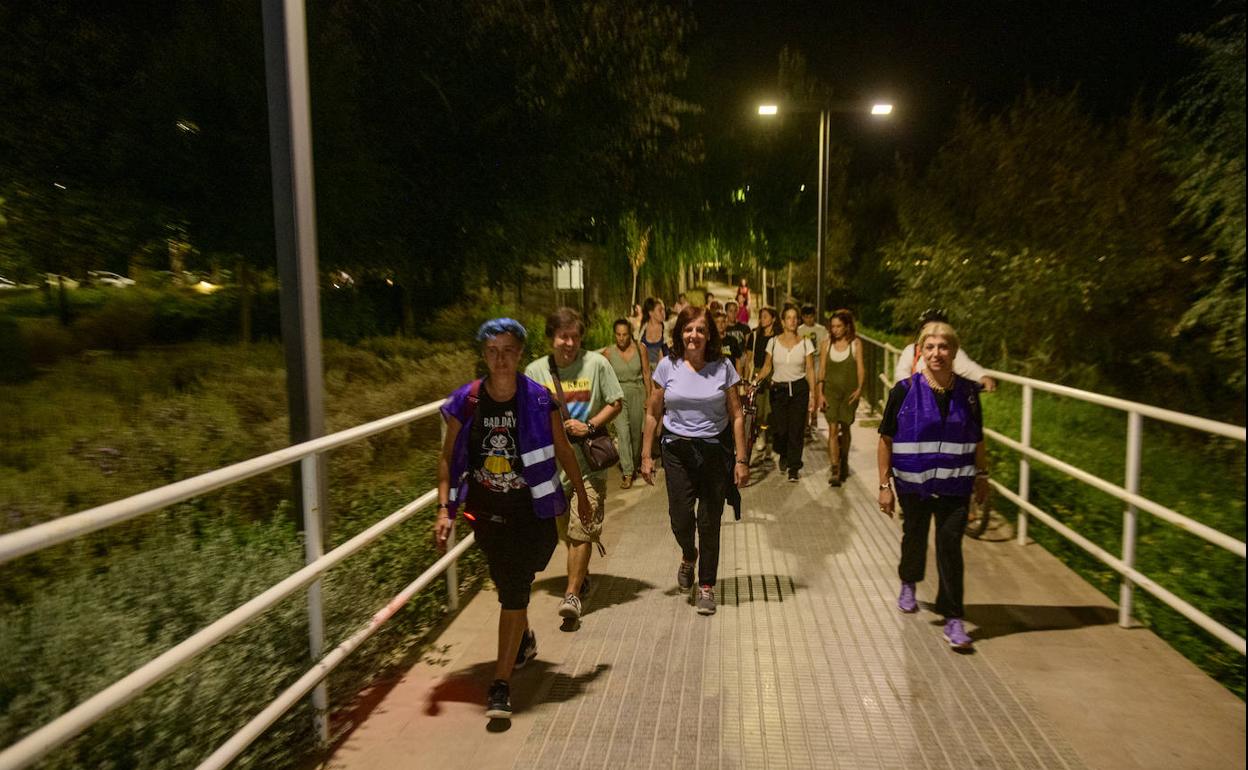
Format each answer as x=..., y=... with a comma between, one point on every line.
x=474, y=396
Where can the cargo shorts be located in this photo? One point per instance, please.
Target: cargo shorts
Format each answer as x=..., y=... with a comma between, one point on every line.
x=571, y=529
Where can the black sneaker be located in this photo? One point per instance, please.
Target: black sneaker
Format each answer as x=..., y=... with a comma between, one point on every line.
x=498, y=702
x=781, y=463
x=684, y=575
x=528, y=649
x=792, y=475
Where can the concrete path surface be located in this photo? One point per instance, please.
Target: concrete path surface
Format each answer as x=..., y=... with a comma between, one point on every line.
x=807, y=664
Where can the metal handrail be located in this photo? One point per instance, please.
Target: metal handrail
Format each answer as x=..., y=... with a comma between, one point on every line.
x=1128, y=493
x=51, y=533
x=37, y=744
x=1225, y=429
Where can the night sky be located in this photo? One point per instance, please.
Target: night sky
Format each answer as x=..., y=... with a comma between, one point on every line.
x=927, y=55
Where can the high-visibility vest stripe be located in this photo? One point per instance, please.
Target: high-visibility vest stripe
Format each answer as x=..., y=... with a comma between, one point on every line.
x=535, y=456
x=931, y=447
x=935, y=473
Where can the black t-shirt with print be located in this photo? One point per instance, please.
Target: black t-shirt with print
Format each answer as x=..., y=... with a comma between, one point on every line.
x=740, y=332
x=495, y=483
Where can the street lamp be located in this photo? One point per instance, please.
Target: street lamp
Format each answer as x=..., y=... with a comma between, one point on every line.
x=878, y=109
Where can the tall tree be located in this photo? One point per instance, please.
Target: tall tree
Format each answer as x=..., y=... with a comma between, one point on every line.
x=1039, y=221
x=1208, y=157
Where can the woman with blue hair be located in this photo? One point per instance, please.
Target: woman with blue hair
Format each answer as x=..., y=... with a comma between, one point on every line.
x=504, y=434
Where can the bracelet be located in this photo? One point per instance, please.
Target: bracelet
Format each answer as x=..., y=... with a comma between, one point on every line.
x=982, y=473
x=885, y=486
x=743, y=462
x=444, y=505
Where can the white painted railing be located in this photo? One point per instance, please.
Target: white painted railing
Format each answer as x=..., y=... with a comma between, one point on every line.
x=37, y=744
x=1128, y=492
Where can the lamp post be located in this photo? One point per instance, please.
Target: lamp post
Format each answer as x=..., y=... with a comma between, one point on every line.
x=879, y=110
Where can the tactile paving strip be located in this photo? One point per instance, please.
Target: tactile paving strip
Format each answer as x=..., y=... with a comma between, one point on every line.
x=807, y=663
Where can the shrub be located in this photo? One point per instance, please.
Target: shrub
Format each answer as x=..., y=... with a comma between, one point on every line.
x=124, y=324
x=85, y=613
x=47, y=341
x=14, y=351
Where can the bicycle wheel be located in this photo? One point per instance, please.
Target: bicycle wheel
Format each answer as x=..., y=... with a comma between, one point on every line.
x=977, y=519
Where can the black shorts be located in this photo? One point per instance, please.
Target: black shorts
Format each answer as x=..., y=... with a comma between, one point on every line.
x=517, y=546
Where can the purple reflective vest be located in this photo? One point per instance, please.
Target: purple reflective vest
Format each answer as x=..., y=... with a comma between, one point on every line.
x=535, y=444
x=934, y=455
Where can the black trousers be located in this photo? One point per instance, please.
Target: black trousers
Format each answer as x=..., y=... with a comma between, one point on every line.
x=517, y=546
x=950, y=515
x=790, y=404
x=697, y=481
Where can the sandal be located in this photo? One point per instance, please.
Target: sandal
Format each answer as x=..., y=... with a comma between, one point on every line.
x=626, y=481
x=834, y=476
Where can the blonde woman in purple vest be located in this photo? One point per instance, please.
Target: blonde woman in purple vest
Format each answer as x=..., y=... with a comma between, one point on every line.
x=931, y=451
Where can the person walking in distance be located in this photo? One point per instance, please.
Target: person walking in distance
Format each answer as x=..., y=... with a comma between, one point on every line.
x=593, y=398
x=695, y=398
x=743, y=302
x=504, y=435
x=931, y=449
x=730, y=346
x=632, y=369
x=843, y=377
x=817, y=334
x=736, y=329
x=792, y=359
x=653, y=335
x=910, y=359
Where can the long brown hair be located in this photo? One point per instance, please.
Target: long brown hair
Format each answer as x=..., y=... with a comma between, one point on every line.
x=714, y=346
x=845, y=316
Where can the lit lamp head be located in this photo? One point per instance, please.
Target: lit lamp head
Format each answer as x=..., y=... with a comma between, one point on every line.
x=768, y=109
x=881, y=109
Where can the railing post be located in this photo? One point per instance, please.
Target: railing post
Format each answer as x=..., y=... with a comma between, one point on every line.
x=1126, y=589
x=314, y=548
x=1024, y=465
x=452, y=570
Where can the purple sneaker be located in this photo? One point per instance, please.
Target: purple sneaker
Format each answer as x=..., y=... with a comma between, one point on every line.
x=956, y=635
x=906, y=601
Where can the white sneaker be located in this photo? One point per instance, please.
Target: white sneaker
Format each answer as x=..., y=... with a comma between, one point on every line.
x=570, y=607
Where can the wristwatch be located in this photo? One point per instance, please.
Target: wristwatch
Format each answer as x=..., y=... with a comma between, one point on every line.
x=885, y=486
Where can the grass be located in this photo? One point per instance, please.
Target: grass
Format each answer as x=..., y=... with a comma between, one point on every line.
x=1199, y=476
x=85, y=613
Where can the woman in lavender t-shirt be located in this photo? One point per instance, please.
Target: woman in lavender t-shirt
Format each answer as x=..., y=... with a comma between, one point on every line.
x=696, y=398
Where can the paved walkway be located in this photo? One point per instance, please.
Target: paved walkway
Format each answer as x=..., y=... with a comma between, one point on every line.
x=807, y=663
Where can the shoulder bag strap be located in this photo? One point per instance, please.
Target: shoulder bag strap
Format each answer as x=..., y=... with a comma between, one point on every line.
x=554, y=374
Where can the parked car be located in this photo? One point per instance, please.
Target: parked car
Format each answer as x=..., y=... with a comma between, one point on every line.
x=105, y=278
x=55, y=281
x=5, y=283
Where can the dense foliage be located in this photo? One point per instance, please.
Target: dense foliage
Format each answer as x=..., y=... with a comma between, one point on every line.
x=454, y=142
x=1055, y=241
x=1208, y=158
